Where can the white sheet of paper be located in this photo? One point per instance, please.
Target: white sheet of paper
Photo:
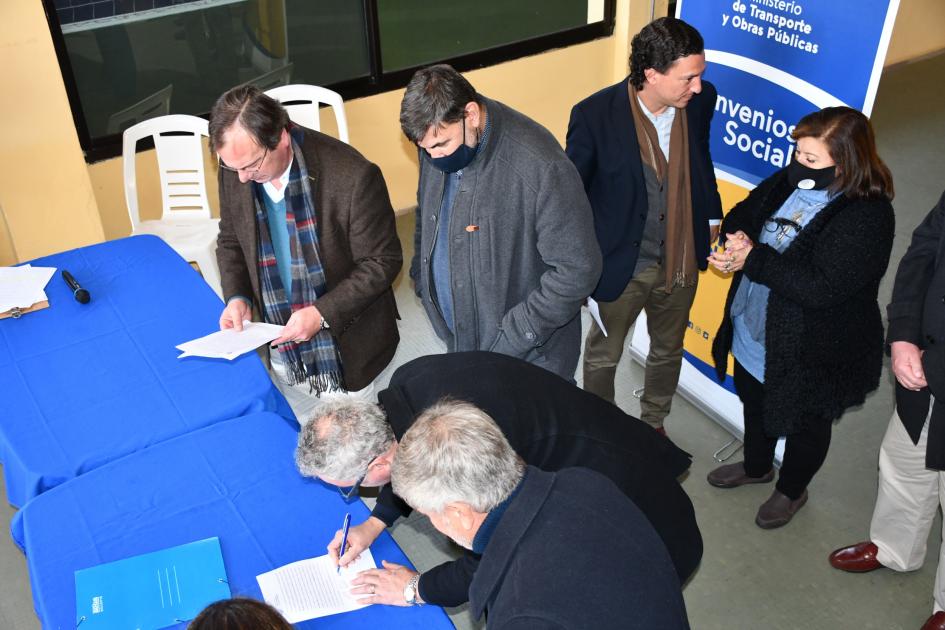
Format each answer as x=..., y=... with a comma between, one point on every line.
x=595, y=313
x=229, y=344
x=21, y=287
x=313, y=588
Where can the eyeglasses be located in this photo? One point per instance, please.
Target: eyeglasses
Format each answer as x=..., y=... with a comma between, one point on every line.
x=250, y=170
x=780, y=226
x=349, y=494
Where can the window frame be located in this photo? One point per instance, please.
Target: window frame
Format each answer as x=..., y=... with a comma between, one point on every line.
x=376, y=82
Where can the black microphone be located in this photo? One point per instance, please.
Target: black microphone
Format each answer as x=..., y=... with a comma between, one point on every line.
x=81, y=295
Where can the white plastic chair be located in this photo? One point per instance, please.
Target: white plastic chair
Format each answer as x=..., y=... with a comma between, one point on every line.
x=302, y=102
x=185, y=223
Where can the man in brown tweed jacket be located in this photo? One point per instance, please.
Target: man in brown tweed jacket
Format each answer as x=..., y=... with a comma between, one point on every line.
x=271, y=174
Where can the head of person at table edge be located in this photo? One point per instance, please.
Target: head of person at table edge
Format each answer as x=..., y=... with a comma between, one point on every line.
x=349, y=444
x=239, y=613
x=249, y=131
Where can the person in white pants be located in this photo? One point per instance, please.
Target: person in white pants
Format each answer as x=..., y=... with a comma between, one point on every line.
x=912, y=456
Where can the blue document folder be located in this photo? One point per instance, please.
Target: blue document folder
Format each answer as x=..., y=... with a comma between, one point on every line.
x=153, y=590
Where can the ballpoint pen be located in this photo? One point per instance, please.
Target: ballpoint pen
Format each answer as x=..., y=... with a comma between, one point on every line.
x=344, y=539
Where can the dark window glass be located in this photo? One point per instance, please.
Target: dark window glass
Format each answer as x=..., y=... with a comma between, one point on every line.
x=125, y=61
x=418, y=32
x=180, y=57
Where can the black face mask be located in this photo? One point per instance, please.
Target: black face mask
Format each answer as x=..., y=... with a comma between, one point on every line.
x=807, y=178
x=458, y=159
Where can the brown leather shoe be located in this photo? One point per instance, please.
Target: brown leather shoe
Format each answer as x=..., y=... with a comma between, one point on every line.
x=778, y=510
x=935, y=622
x=733, y=476
x=858, y=558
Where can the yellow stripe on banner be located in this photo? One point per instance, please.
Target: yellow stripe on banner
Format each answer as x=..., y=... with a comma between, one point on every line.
x=706, y=313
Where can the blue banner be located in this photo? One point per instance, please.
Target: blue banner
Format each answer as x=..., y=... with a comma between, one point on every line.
x=751, y=129
x=831, y=44
x=773, y=61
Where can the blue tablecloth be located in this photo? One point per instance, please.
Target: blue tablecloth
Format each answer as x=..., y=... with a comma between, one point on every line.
x=235, y=480
x=84, y=384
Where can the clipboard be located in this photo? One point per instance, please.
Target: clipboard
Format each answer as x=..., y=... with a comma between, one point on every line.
x=16, y=313
x=23, y=289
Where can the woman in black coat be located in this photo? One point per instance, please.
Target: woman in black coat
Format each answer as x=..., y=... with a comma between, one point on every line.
x=808, y=247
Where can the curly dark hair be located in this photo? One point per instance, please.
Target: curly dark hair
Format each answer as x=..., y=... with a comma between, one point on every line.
x=659, y=44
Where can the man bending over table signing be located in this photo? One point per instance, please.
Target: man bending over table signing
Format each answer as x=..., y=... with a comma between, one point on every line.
x=564, y=549
x=550, y=423
x=307, y=237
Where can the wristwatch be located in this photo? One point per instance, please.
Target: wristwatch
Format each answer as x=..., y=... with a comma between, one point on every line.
x=411, y=591
x=324, y=325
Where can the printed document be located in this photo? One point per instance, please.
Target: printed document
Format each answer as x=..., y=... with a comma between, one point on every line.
x=595, y=313
x=24, y=286
x=229, y=344
x=313, y=588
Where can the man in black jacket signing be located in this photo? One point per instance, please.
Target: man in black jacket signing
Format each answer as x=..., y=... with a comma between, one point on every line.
x=551, y=424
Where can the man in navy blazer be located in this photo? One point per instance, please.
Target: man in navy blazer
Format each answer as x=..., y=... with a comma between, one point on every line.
x=642, y=149
x=563, y=549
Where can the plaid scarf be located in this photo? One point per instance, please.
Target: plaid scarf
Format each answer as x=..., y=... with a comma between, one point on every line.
x=317, y=360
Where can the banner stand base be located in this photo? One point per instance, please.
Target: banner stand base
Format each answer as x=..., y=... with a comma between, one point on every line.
x=717, y=455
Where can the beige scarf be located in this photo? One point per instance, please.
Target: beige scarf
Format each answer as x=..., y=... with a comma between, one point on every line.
x=680, y=256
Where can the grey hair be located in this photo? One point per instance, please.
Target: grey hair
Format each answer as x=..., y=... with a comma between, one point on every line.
x=344, y=436
x=455, y=452
x=435, y=95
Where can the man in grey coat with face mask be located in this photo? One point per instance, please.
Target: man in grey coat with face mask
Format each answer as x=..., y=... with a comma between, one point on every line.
x=505, y=247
